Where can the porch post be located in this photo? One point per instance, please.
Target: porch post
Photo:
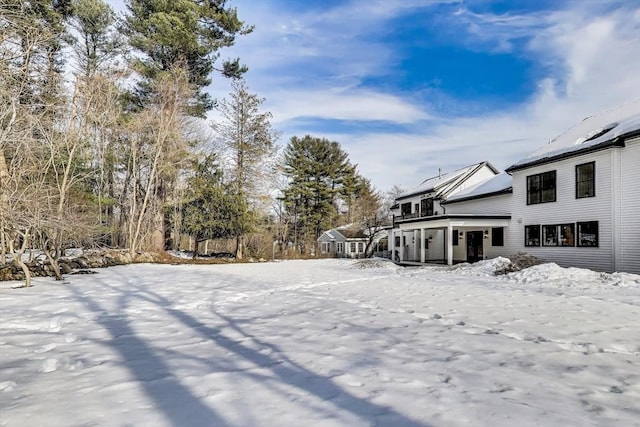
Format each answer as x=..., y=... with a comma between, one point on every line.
x=392, y=244
x=401, y=248
x=449, y=241
x=422, y=250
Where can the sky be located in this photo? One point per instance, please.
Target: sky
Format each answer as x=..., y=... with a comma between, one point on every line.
x=410, y=87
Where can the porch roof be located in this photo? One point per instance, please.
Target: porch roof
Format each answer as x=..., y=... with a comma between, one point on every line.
x=456, y=220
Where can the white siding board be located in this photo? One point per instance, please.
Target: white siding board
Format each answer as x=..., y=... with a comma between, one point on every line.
x=628, y=258
x=567, y=209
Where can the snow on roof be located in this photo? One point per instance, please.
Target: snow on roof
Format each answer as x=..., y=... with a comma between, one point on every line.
x=593, y=130
x=437, y=182
x=494, y=184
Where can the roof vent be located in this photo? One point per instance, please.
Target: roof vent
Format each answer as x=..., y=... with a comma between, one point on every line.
x=596, y=133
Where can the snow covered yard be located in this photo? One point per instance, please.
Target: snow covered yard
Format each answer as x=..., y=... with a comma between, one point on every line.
x=321, y=343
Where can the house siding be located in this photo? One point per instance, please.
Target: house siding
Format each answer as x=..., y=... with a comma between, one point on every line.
x=568, y=209
x=628, y=242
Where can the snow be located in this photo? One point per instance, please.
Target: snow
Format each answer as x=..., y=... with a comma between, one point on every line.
x=496, y=183
x=433, y=183
x=624, y=118
x=322, y=343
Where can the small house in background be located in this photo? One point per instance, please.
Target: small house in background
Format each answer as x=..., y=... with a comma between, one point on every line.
x=343, y=242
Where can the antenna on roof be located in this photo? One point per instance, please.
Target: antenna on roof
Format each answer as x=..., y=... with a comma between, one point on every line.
x=439, y=173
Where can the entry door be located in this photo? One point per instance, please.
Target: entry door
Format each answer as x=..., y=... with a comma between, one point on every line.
x=474, y=246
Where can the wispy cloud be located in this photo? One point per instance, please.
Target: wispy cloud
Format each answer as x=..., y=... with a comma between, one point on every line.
x=317, y=65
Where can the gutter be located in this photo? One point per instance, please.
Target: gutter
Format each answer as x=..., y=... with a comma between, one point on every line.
x=618, y=141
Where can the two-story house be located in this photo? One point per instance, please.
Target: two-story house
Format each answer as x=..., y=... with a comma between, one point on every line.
x=575, y=201
x=425, y=230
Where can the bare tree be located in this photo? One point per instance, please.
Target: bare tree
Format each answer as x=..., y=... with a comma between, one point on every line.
x=157, y=150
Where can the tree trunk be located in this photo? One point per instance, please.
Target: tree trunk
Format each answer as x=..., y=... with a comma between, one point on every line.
x=17, y=258
x=239, y=245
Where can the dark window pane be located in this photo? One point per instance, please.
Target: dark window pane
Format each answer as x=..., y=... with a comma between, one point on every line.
x=427, y=207
x=549, y=235
x=497, y=236
x=532, y=235
x=567, y=235
x=454, y=240
x=585, y=180
x=533, y=189
x=588, y=233
x=548, y=193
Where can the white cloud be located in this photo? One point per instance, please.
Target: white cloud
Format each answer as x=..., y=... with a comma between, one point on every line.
x=312, y=66
x=344, y=104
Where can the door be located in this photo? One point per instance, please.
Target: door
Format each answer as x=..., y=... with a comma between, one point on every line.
x=474, y=246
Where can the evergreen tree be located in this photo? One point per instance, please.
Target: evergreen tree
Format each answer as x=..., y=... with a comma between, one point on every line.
x=320, y=174
x=97, y=40
x=186, y=32
x=247, y=139
x=212, y=210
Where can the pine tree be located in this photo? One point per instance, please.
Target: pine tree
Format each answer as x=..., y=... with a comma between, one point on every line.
x=186, y=32
x=320, y=174
x=213, y=210
x=247, y=140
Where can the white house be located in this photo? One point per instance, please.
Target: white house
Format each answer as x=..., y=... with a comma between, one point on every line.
x=574, y=201
x=425, y=230
x=343, y=242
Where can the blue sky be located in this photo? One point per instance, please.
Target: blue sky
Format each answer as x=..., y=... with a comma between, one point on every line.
x=411, y=86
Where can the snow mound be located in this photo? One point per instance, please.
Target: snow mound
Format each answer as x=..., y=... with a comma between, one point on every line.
x=482, y=268
x=551, y=274
x=375, y=263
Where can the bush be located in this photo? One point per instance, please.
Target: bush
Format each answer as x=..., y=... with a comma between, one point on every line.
x=518, y=262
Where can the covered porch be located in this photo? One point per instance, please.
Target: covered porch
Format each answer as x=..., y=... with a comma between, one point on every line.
x=447, y=238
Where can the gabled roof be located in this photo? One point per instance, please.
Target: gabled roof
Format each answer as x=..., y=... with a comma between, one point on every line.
x=346, y=232
x=498, y=184
x=594, y=133
x=351, y=233
x=444, y=183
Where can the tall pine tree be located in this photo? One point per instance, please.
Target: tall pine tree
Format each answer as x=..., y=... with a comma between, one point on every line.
x=185, y=32
x=247, y=139
x=319, y=174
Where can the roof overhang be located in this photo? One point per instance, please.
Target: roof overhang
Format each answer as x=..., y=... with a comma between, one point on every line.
x=479, y=196
x=456, y=220
x=618, y=141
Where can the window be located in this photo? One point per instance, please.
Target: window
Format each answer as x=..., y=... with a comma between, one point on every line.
x=352, y=248
x=397, y=241
x=360, y=247
x=340, y=247
x=532, y=235
x=567, y=235
x=586, y=180
x=497, y=236
x=427, y=207
x=588, y=233
x=541, y=188
x=454, y=240
x=416, y=208
x=549, y=235
x=405, y=209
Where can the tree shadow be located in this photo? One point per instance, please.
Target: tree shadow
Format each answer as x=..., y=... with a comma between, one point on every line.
x=176, y=402
x=285, y=371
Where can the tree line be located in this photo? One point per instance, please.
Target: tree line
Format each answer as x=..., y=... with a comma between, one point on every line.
x=104, y=140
